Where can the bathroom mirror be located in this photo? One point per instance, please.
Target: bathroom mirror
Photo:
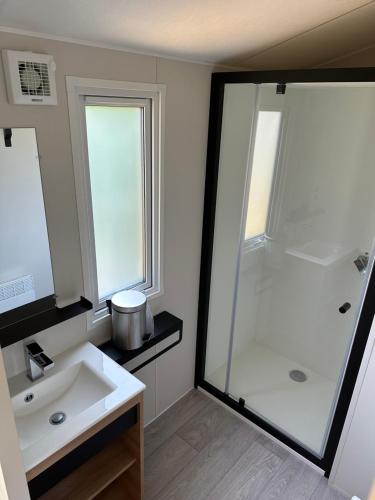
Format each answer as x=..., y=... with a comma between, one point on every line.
x=25, y=261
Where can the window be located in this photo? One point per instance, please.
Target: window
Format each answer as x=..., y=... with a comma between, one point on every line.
x=116, y=138
x=262, y=174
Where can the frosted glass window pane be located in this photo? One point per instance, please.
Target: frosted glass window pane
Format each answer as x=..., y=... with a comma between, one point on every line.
x=115, y=151
x=265, y=150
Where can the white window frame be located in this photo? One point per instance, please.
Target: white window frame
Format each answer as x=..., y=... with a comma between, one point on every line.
x=145, y=105
x=85, y=90
x=258, y=240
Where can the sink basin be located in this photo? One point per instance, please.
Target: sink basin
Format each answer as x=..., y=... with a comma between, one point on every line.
x=70, y=391
x=83, y=387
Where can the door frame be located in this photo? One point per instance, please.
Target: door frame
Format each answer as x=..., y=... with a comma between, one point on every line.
x=361, y=334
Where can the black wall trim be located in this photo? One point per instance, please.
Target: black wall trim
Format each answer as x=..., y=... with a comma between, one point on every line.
x=367, y=313
x=297, y=76
x=212, y=172
x=35, y=317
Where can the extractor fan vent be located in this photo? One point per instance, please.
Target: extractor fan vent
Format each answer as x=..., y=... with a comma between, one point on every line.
x=30, y=77
x=34, y=78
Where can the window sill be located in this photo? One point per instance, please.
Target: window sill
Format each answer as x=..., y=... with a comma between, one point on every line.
x=95, y=318
x=165, y=325
x=254, y=243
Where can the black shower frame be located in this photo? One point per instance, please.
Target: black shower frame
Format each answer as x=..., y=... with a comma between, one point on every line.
x=218, y=82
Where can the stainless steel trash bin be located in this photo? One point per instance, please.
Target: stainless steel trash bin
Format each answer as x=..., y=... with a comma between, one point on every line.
x=129, y=310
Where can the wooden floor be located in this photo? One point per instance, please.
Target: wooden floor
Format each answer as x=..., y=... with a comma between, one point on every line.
x=198, y=450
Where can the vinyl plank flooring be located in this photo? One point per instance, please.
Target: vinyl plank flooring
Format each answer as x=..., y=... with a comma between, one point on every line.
x=294, y=480
x=271, y=445
x=325, y=492
x=165, y=463
x=303, y=485
x=170, y=421
x=201, y=475
x=198, y=450
x=205, y=425
x=249, y=476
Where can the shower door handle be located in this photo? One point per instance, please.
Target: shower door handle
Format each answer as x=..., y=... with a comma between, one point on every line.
x=345, y=307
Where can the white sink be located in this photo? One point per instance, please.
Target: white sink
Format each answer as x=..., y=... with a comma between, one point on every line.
x=85, y=385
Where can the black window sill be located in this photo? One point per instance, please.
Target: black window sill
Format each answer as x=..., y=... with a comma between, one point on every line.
x=165, y=325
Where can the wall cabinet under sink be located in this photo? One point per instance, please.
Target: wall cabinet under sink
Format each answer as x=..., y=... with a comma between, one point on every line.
x=104, y=462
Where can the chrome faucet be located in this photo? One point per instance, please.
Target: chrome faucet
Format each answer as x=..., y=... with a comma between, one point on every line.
x=36, y=361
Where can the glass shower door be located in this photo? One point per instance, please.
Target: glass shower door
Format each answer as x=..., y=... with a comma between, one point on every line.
x=302, y=279
x=239, y=110
x=294, y=253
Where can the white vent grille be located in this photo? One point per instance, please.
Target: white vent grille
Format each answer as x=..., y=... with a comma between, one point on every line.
x=17, y=287
x=30, y=77
x=34, y=78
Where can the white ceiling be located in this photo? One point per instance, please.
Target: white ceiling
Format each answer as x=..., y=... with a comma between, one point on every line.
x=220, y=31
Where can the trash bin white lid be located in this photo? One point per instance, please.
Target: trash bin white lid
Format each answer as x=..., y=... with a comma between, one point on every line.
x=128, y=301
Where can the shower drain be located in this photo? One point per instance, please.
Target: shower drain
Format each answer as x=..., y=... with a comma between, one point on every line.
x=57, y=418
x=298, y=375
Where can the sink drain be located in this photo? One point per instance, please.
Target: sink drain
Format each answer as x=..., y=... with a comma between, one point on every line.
x=298, y=375
x=57, y=418
x=29, y=397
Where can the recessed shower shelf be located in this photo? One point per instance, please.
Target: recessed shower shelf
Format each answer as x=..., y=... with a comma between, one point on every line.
x=165, y=325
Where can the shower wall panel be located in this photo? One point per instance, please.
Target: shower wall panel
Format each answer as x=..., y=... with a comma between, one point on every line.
x=323, y=225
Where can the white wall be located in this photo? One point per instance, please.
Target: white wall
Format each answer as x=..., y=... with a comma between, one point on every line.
x=12, y=480
x=354, y=472
x=187, y=104
x=327, y=199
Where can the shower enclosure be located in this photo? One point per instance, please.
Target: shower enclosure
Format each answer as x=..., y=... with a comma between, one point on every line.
x=286, y=292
